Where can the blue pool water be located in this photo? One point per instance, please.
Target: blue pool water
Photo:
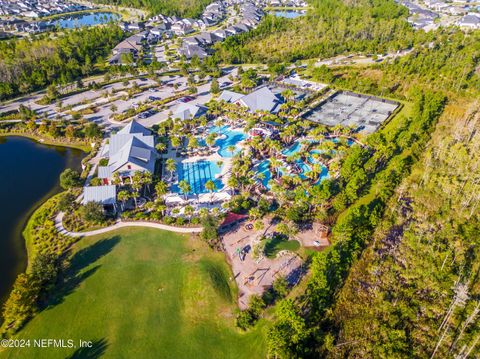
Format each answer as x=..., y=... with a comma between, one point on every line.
x=295, y=148
x=289, y=14
x=263, y=167
x=229, y=138
x=197, y=174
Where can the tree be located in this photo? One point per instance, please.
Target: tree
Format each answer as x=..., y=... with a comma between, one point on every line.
x=21, y=303
x=93, y=212
x=210, y=186
x=188, y=211
x=92, y=130
x=184, y=187
x=288, y=332
x=161, y=188
x=123, y=196
x=215, y=87
x=70, y=179
x=171, y=166
x=66, y=202
x=210, y=229
x=137, y=184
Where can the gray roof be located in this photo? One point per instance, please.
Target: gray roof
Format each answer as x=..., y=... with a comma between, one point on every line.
x=133, y=151
x=135, y=127
x=119, y=140
x=262, y=99
x=230, y=96
x=189, y=111
x=100, y=194
x=104, y=172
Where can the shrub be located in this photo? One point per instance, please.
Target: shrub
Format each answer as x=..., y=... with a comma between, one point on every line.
x=93, y=212
x=70, y=179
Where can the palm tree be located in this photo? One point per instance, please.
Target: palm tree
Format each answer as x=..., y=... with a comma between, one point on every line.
x=161, y=188
x=161, y=147
x=184, y=187
x=211, y=187
x=123, y=196
x=231, y=149
x=275, y=165
x=233, y=183
x=193, y=142
x=210, y=140
x=116, y=180
x=171, y=166
x=188, y=211
x=146, y=181
x=137, y=184
x=175, y=142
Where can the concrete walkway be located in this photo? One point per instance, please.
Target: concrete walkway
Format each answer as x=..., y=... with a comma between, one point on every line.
x=120, y=224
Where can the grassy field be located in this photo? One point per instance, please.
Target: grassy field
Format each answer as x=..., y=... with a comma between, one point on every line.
x=144, y=293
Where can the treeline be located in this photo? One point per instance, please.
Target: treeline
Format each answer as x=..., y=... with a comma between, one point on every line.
x=449, y=63
x=29, y=65
x=303, y=328
x=332, y=27
x=415, y=291
x=184, y=8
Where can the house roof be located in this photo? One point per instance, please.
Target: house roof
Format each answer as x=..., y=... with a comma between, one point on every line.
x=230, y=96
x=104, y=172
x=189, y=111
x=133, y=151
x=100, y=194
x=135, y=127
x=232, y=218
x=262, y=99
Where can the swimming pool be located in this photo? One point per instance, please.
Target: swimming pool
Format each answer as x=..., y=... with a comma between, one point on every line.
x=197, y=174
x=264, y=168
x=295, y=148
x=228, y=137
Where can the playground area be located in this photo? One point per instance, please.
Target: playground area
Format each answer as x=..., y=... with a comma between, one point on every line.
x=366, y=113
x=255, y=273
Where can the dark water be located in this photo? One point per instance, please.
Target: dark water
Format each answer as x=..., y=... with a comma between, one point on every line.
x=29, y=174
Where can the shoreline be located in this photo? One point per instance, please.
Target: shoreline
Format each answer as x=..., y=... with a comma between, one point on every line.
x=48, y=142
x=24, y=222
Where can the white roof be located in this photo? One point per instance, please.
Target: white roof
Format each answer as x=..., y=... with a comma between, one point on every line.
x=100, y=194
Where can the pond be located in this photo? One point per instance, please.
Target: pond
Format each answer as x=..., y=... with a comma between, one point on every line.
x=29, y=174
x=289, y=14
x=86, y=19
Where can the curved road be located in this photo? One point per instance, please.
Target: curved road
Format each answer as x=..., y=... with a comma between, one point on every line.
x=120, y=224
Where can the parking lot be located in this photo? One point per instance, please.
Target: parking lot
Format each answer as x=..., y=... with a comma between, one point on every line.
x=366, y=113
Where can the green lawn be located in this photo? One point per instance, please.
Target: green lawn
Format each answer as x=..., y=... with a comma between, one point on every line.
x=145, y=293
x=275, y=245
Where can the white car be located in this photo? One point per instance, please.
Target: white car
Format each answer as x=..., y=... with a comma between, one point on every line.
x=316, y=243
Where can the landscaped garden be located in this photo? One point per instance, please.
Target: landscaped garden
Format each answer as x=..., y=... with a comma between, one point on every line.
x=144, y=293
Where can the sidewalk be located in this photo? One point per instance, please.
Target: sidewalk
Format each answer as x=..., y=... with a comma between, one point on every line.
x=120, y=224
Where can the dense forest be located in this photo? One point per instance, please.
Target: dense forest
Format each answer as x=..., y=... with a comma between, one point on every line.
x=184, y=8
x=415, y=291
x=28, y=65
x=330, y=27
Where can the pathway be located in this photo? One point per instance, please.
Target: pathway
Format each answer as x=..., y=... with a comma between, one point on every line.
x=120, y=224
